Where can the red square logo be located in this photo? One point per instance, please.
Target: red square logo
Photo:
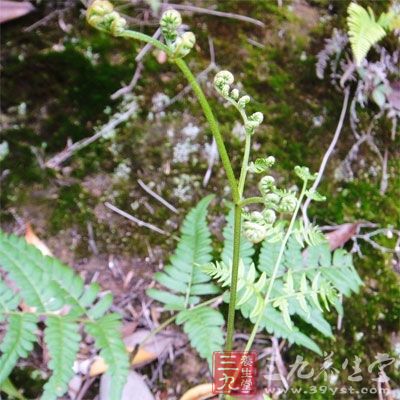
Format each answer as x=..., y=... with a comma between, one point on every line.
x=234, y=372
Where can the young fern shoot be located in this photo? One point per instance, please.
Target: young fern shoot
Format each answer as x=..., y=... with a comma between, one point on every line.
x=295, y=268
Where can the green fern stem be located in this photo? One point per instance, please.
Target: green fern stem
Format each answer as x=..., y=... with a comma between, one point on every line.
x=295, y=294
x=181, y=64
x=236, y=194
x=237, y=226
x=276, y=267
x=245, y=165
x=145, y=38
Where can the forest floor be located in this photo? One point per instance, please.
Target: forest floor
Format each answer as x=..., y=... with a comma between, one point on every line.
x=58, y=80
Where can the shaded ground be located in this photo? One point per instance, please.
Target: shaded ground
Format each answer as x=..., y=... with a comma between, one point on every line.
x=56, y=87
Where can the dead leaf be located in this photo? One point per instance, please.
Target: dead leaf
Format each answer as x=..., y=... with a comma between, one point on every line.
x=151, y=350
x=135, y=388
x=32, y=239
x=10, y=10
x=341, y=235
x=199, y=392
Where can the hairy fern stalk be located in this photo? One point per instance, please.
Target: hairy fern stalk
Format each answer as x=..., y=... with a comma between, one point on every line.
x=37, y=288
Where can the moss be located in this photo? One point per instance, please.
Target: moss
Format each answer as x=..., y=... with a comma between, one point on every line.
x=66, y=104
x=72, y=207
x=361, y=200
x=29, y=379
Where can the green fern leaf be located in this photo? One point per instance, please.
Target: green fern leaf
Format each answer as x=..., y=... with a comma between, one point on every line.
x=18, y=341
x=364, y=31
x=9, y=389
x=268, y=257
x=310, y=234
x=250, y=286
x=44, y=282
x=47, y=285
x=329, y=272
x=203, y=326
x=275, y=324
x=337, y=270
x=62, y=340
x=106, y=333
x=8, y=300
x=183, y=276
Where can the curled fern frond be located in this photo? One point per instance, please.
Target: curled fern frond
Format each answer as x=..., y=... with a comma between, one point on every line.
x=182, y=277
x=364, y=30
x=203, y=325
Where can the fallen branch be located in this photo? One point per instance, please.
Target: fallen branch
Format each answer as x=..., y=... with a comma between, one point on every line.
x=157, y=196
x=328, y=153
x=118, y=119
x=385, y=175
x=186, y=7
x=211, y=161
x=134, y=219
x=147, y=47
x=128, y=88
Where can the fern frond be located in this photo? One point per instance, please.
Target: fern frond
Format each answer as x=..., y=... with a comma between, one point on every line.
x=44, y=282
x=46, y=285
x=249, y=285
x=18, y=341
x=8, y=300
x=275, y=324
x=309, y=234
x=338, y=269
x=62, y=340
x=364, y=31
x=106, y=333
x=246, y=247
x=203, y=325
x=305, y=279
x=183, y=276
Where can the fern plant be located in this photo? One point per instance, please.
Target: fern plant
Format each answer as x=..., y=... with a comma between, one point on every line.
x=309, y=279
x=44, y=289
x=365, y=31
x=291, y=277
x=186, y=282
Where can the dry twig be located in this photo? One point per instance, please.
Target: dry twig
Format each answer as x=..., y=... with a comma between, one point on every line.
x=64, y=155
x=328, y=153
x=157, y=196
x=201, y=10
x=134, y=219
